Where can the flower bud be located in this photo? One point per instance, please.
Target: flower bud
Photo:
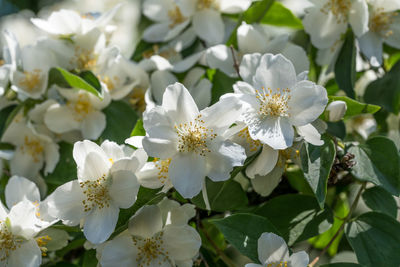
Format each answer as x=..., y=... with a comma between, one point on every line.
x=336, y=110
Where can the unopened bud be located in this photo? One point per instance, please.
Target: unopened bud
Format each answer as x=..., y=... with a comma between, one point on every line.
x=336, y=110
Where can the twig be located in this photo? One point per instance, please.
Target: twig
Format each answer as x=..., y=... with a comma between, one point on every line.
x=353, y=207
x=235, y=62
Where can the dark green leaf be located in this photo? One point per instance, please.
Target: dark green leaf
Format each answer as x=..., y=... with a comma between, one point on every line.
x=316, y=163
x=4, y=114
x=380, y=200
x=63, y=77
x=385, y=91
x=375, y=238
x=222, y=84
x=65, y=170
x=243, y=231
x=300, y=219
x=279, y=15
x=223, y=196
x=91, y=79
x=120, y=120
x=378, y=162
x=89, y=258
x=257, y=11
x=354, y=107
x=337, y=129
x=74, y=244
x=345, y=67
x=342, y=264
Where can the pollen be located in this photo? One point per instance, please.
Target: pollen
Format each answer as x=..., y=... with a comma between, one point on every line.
x=274, y=103
x=85, y=59
x=339, y=8
x=162, y=166
x=31, y=80
x=380, y=22
x=176, y=17
x=96, y=193
x=110, y=82
x=81, y=108
x=42, y=242
x=151, y=250
x=204, y=4
x=193, y=136
x=8, y=242
x=253, y=144
x=136, y=98
x=278, y=264
x=34, y=147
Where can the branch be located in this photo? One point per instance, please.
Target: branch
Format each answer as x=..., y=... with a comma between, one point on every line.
x=235, y=62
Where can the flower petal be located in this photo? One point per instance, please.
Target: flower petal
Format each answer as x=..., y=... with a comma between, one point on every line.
x=209, y=26
x=358, y=17
x=371, y=45
x=83, y=148
x=272, y=248
x=248, y=66
x=28, y=254
x=181, y=242
x=264, y=163
x=220, y=57
x=124, y=189
x=19, y=188
x=100, y=223
x=299, y=259
x=146, y=222
x=121, y=250
x=93, y=125
x=310, y=134
x=264, y=185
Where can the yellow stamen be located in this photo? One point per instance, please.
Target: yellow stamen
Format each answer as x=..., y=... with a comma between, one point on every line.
x=339, y=8
x=274, y=104
x=34, y=147
x=31, y=80
x=175, y=16
x=96, y=193
x=380, y=22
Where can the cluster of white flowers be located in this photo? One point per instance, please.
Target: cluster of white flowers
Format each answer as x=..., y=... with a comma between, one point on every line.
x=272, y=111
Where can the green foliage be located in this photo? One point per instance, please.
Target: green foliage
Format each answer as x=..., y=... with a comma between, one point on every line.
x=316, y=163
x=138, y=130
x=375, y=238
x=301, y=218
x=345, y=67
x=341, y=264
x=279, y=15
x=257, y=11
x=222, y=84
x=377, y=161
x=243, y=230
x=65, y=170
x=354, y=107
x=377, y=199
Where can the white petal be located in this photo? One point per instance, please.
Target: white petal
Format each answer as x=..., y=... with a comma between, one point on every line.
x=28, y=254
x=93, y=125
x=84, y=148
x=112, y=150
x=358, y=17
x=156, y=10
x=187, y=62
x=272, y=248
x=299, y=259
x=264, y=185
x=52, y=156
x=250, y=39
x=310, y=134
x=187, y=173
x=264, y=163
x=100, y=223
x=146, y=222
x=24, y=164
x=160, y=79
x=248, y=66
x=243, y=88
x=60, y=119
x=120, y=250
x=220, y=57
x=19, y=188
x=161, y=32
x=181, y=242
x=209, y=26
x=371, y=45
x=394, y=39
x=234, y=6
x=202, y=93
x=63, y=22
x=124, y=189
x=307, y=102
x=297, y=56
x=148, y=176
x=94, y=167
x=135, y=141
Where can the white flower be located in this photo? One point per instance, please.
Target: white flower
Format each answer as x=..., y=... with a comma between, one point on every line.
x=336, y=110
x=32, y=150
x=106, y=182
x=193, y=140
x=364, y=125
x=383, y=28
x=327, y=20
x=275, y=99
x=157, y=236
x=256, y=39
x=82, y=111
x=273, y=251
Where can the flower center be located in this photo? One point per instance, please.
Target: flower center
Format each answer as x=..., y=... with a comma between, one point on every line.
x=85, y=59
x=274, y=104
x=81, y=108
x=42, y=242
x=33, y=147
x=253, y=144
x=193, y=136
x=8, y=242
x=137, y=100
x=110, y=82
x=339, y=8
x=96, y=193
x=204, y=4
x=380, y=22
x=278, y=264
x=176, y=17
x=150, y=249
x=162, y=166
x=31, y=80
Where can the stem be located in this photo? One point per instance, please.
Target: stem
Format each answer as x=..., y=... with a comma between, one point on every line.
x=235, y=62
x=353, y=207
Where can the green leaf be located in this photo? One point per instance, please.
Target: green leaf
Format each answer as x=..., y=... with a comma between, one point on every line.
x=279, y=15
x=385, y=91
x=243, y=231
x=4, y=115
x=141, y=48
x=316, y=163
x=89, y=258
x=222, y=84
x=120, y=119
x=378, y=199
x=345, y=67
x=223, y=196
x=378, y=162
x=257, y=11
x=337, y=129
x=63, y=77
x=300, y=219
x=354, y=107
x=65, y=170
x=138, y=130
x=375, y=238
x=341, y=264
x=91, y=79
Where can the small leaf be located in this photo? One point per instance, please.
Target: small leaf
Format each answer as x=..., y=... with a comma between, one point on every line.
x=222, y=84
x=279, y=15
x=138, y=130
x=62, y=77
x=345, y=67
x=257, y=11
x=378, y=162
x=91, y=79
x=243, y=231
x=354, y=107
x=341, y=264
x=377, y=199
x=301, y=218
x=375, y=238
x=316, y=163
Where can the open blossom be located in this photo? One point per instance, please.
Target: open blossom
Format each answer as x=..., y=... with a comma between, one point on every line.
x=275, y=100
x=82, y=111
x=273, y=251
x=106, y=182
x=192, y=140
x=383, y=28
x=327, y=20
x=158, y=235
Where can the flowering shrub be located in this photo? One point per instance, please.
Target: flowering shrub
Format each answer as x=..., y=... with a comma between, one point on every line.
x=200, y=133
